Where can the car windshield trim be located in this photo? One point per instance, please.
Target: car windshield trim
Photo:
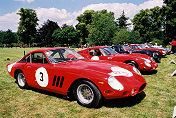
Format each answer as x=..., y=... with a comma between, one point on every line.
x=62, y=55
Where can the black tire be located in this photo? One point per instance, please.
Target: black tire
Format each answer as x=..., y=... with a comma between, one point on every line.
x=87, y=94
x=132, y=63
x=21, y=80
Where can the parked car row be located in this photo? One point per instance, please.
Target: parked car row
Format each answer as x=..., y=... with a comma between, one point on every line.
x=126, y=49
x=89, y=76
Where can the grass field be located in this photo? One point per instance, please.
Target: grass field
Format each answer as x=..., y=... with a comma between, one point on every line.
x=158, y=99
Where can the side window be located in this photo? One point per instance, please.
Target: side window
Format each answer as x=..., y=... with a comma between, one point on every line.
x=91, y=52
x=95, y=52
x=120, y=48
x=134, y=47
x=38, y=57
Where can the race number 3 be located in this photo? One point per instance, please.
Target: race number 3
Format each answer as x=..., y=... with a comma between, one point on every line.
x=41, y=76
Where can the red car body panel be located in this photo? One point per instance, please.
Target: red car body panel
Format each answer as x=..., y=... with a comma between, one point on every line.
x=138, y=58
x=161, y=51
x=62, y=75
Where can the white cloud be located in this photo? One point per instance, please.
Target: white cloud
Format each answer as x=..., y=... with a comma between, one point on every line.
x=9, y=21
x=129, y=8
x=62, y=16
x=56, y=15
x=29, y=1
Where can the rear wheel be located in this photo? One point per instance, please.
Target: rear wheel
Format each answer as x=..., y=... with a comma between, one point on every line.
x=87, y=94
x=21, y=80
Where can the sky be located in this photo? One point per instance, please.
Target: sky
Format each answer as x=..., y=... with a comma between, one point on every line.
x=66, y=11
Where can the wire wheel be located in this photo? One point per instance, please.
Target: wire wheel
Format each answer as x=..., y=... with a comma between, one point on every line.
x=21, y=80
x=85, y=94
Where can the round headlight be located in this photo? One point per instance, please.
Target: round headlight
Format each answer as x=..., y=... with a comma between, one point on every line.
x=136, y=70
x=146, y=60
x=115, y=84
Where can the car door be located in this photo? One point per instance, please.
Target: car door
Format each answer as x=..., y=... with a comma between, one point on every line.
x=36, y=70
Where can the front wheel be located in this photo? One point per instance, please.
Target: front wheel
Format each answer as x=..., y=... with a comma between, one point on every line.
x=134, y=64
x=21, y=80
x=87, y=94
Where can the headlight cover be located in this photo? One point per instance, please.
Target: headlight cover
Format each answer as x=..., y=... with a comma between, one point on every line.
x=136, y=70
x=147, y=62
x=115, y=84
x=118, y=71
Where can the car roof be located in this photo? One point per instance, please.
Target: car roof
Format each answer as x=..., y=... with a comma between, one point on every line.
x=46, y=49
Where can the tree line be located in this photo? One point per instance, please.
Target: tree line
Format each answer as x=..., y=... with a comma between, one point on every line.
x=156, y=25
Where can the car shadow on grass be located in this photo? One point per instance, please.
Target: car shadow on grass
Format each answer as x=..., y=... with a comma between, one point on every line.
x=124, y=102
x=149, y=72
x=57, y=95
x=111, y=103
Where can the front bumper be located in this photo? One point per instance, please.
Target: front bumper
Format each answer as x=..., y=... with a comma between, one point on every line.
x=113, y=94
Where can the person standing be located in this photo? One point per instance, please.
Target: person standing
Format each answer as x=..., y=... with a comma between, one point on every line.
x=173, y=43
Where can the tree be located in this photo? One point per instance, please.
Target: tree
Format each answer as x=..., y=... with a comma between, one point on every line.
x=8, y=37
x=66, y=36
x=84, y=20
x=120, y=37
x=170, y=15
x=124, y=36
x=149, y=24
x=27, y=25
x=122, y=21
x=44, y=34
x=64, y=26
x=102, y=28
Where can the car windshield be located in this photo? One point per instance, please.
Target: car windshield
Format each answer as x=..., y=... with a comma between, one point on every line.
x=127, y=48
x=108, y=51
x=62, y=55
x=143, y=46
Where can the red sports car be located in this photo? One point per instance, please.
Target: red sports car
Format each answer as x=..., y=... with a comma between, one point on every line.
x=141, y=61
x=145, y=47
x=64, y=71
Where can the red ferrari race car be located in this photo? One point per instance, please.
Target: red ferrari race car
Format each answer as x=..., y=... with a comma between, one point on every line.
x=145, y=47
x=140, y=61
x=64, y=71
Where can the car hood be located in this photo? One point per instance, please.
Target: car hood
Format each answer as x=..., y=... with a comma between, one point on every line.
x=132, y=56
x=141, y=55
x=95, y=68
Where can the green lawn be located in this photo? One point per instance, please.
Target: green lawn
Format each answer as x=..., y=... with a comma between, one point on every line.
x=158, y=99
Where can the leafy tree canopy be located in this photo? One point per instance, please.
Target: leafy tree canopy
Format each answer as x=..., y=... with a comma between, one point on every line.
x=102, y=28
x=66, y=36
x=149, y=24
x=44, y=34
x=8, y=37
x=27, y=25
x=170, y=24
